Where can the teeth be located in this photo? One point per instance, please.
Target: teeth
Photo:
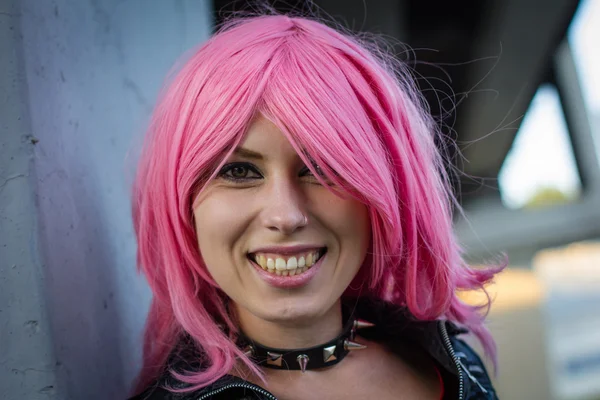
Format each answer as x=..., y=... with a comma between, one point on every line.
x=280, y=264
x=262, y=261
x=294, y=265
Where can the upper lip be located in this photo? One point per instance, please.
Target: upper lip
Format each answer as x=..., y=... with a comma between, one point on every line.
x=283, y=250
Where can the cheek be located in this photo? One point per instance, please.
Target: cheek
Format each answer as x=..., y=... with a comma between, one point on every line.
x=358, y=227
x=217, y=228
x=349, y=221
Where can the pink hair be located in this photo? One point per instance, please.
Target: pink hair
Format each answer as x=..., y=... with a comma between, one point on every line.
x=339, y=104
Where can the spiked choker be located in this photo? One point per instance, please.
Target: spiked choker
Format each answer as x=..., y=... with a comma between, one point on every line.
x=321, y=356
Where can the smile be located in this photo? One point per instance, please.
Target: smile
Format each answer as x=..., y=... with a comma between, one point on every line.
x=287, y=265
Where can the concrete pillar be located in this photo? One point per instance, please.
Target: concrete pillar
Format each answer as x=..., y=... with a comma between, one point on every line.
x=76, y=91
x=27, y=361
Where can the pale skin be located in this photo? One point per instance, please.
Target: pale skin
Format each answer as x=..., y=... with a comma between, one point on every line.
x=278, y=202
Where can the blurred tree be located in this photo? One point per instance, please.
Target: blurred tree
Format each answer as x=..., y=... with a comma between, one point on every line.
x=549, y=196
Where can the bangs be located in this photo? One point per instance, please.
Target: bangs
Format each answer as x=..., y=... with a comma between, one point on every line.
x=311, y=99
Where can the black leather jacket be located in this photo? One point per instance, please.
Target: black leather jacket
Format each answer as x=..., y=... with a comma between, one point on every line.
x=463, y=373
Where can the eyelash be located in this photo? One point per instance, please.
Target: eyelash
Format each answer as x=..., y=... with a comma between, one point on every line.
x=227, y=168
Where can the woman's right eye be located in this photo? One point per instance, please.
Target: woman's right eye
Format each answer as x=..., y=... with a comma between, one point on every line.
x=239, y=172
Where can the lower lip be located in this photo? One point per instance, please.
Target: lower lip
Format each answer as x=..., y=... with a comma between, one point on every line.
x=289, y=282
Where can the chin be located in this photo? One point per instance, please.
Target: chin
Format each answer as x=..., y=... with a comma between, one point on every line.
x=292, y=310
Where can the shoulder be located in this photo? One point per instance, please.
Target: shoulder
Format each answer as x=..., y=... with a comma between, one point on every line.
x=156, y=393
x=159, y=392
x=227, y=387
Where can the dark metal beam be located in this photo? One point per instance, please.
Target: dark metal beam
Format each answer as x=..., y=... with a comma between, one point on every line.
x=524, y=35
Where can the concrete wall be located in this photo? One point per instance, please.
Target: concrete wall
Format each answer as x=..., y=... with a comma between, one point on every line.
x=27, y=361
x=81, y=80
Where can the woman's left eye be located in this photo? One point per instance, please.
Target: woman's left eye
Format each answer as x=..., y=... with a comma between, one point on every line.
x=239, y=172
x=306, y=171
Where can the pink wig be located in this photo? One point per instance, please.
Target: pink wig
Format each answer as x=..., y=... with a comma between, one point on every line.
x=343, y=107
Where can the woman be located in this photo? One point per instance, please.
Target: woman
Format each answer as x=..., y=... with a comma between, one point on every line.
x=294, y=224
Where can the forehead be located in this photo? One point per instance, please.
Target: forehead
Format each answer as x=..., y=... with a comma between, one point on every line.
x=265, y=138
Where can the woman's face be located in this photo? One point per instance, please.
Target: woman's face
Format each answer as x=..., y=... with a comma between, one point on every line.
x=279, y=244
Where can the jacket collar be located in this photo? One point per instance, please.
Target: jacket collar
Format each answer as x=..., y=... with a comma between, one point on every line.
x=395, y=325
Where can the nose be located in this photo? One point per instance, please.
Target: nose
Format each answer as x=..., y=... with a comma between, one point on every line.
x=283, y=207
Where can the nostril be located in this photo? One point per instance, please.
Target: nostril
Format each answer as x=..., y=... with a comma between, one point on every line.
x=286, y=219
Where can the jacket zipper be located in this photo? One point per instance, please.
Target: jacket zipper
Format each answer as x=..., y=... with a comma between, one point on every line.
x=457, y=363
x=238, y=385
x=471, y=377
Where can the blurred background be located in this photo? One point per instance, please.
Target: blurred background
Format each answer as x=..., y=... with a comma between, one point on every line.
x=513, y=84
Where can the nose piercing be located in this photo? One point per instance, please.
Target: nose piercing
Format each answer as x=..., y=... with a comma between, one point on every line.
x=305, y=221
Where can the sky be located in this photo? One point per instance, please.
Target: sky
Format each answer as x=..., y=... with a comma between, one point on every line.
x=541, y=155
x=584, y=36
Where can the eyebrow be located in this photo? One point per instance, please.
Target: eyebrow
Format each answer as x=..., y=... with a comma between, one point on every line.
x=240, y=151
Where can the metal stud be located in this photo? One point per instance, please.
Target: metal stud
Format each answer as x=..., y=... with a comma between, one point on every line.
x=329, y=353
x=350, y=345
x=303, y=361
x=249, y=351
x=274, y=359
x=361, y=323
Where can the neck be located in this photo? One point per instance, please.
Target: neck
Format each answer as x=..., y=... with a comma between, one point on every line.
x=296, y=334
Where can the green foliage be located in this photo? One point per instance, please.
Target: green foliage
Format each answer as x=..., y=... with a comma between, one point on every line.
x=549, y=196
